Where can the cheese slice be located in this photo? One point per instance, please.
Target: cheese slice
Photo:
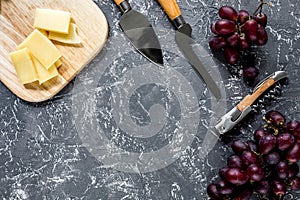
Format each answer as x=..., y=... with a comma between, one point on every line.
x=41, y=48
x=58, y=63
x=24, y=66
x=70, y=38
x=44, y=74
x=52, y=20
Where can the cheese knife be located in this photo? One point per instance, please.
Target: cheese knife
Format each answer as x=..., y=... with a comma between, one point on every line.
x=183, y=39
x=140, y=32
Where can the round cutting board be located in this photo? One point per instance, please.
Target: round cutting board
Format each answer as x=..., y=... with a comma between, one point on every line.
x=16, y=23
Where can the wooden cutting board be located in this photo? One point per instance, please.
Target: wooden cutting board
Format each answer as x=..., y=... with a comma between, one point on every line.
x=16, y=23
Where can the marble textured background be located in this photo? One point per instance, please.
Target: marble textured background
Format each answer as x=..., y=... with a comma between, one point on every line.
x=42, y=155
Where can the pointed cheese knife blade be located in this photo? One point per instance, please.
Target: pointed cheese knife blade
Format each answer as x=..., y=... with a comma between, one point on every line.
x=183, y=40
x=140, y=32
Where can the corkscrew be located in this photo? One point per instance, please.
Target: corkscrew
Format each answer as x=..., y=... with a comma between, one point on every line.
x=266, y=99
x=251, y=101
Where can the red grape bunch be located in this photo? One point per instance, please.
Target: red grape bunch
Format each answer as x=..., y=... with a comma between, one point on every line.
x=266, y=166
x=237, y=31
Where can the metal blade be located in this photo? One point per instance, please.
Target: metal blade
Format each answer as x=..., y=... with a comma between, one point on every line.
x=183, y=38
x=277, y=76
x=142, y=35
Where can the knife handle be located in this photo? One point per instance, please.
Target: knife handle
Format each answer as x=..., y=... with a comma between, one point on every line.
x=171, y=8
x=250, y=99
x=118, y=2
x=123, y=5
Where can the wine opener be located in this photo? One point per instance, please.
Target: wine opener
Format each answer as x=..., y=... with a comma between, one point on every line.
x=239, y=112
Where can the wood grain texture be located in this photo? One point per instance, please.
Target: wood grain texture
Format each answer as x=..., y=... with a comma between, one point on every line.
x=16, y=23
x=250, y=99
x=171, y=8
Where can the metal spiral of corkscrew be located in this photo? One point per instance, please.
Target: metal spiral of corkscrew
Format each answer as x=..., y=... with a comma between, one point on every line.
x=267, y=98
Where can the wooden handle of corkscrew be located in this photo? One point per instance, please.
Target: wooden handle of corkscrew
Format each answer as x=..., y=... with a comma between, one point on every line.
x=250, y=99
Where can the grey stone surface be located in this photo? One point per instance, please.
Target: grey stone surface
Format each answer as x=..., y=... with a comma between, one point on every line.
x=101, y=136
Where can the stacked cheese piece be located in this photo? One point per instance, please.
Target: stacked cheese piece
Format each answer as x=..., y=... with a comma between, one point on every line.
x=37, y=58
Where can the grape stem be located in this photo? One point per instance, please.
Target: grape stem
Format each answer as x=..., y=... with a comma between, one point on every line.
x=259, y=8
x=269, y=125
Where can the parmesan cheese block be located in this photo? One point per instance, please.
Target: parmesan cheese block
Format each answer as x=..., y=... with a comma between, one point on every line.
x=70, y=38
x=44, y=74
x=24, y=66
x=52, y=20
x=41, y=48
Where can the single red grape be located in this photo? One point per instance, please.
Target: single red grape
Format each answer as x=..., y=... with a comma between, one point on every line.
x=293, y=127
x=262, y=35
x=250, y=29
x=262, y=187
x=279, y=188
x=294, y=183
x=250, y=73
x=293, y=154
x=236, y=176
x=213, y=28
x=249, y=157
x=282, y=169
x=255, y=172
x=225, y=27
x=231, y=55
x=224, y=188
x=272, y=158
x=244, y=43
x=243, y=16
x=285, y=141
x=252, y=146
x=261, y=19
x=275, y=118
x=212, y=191
x=267, y=143
x=222, y=171
x=228, y=12
x=239, y=146
x=235, y=161
x=259, y=133
x=217, y=43
x=233, y=40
